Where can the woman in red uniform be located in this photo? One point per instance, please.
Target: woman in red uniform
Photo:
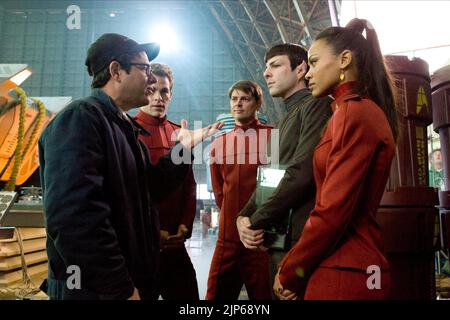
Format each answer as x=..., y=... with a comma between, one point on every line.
x=340, y=253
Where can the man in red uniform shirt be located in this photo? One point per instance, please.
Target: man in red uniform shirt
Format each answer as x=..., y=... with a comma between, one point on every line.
x=177, y=211
x=235, y=157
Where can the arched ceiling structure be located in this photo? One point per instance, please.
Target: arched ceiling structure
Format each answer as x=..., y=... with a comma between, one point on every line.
x=249, y=27
x=253, y=26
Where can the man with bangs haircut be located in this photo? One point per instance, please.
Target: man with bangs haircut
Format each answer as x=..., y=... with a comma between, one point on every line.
x=177, y=278
x=235, y=157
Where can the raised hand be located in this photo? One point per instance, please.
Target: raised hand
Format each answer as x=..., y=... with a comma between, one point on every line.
x=190, y=138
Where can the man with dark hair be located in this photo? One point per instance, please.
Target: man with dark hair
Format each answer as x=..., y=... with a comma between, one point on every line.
x=299, y=133
x=235, y=157
x=99, y=186
x=176, y=211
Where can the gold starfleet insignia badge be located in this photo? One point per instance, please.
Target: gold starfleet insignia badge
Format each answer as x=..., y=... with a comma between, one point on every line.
x=421, y=100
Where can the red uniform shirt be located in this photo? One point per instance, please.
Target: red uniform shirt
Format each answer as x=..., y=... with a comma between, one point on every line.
x=235, y=157
x=179, y=207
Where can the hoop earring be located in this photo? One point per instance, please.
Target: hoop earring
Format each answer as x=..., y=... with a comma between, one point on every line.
x=342, y=76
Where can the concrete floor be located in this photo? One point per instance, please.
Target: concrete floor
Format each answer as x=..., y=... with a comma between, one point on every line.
x=201, y=248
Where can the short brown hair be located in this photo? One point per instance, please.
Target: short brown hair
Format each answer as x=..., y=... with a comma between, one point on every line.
x=248, y=87
x=163, y=70
x=296, y=54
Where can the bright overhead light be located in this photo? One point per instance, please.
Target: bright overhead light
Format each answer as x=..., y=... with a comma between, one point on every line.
x=419, y=29
x=165, y=36
x=112, y=14
x=21, y=76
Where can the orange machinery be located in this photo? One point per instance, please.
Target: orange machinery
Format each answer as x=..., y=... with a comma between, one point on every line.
x=22, y=236
x=21, y=123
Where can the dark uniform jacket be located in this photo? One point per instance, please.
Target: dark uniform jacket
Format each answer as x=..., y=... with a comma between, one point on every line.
x=299, y=134
x=98, y=187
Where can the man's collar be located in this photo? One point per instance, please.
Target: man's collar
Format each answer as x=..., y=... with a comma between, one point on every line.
x=141, y=129
x=150, y=120
x=108, y=102
x=296, y=97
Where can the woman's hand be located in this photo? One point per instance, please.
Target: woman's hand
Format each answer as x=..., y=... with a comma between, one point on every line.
x=280, y=292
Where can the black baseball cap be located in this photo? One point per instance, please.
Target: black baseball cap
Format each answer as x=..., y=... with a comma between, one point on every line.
x=111, y=46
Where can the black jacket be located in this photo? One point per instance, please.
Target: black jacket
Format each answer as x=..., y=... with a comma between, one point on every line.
x=299, y=133
x=99, y=187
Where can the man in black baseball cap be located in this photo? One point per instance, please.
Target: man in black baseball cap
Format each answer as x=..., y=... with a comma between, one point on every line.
x=99, y=185
x=112, y=53
x=112, y=46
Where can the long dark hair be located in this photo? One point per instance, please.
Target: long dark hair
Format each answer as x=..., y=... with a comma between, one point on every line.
x=374, y=79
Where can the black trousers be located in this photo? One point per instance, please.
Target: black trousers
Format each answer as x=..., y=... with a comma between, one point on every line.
x=177, y=276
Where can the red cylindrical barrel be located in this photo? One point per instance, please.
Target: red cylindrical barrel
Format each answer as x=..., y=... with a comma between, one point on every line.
x=407, y=211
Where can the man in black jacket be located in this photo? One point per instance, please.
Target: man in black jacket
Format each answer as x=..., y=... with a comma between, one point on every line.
x=99, y=184
x=299, y=133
